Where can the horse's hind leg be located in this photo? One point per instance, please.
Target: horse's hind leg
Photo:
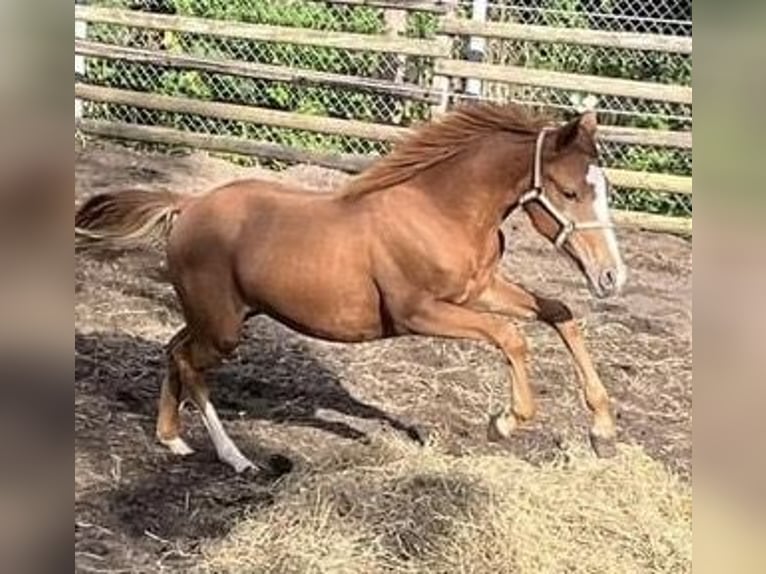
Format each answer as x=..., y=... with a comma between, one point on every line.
x=168, y=417
x=214, y=315
x=192, y=357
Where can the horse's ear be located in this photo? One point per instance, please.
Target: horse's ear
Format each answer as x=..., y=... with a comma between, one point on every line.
x=589, y=123
x=567, y=134
x=585, y=124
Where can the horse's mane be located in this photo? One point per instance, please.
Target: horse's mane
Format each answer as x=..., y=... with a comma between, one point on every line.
x=442, y=139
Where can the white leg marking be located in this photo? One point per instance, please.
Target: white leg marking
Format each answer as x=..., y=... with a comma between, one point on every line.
x=501, y=425
x=597, y=179
x=224, y=446
x=177, y=446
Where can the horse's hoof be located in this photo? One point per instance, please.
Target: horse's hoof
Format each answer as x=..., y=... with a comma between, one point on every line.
x=418, y=434
x=604, y=447
x=237, y=461
x=243, y=466
x=501, y=426
x=177, y=446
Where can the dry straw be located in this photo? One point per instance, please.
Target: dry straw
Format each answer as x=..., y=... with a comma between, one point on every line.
x=422, y=511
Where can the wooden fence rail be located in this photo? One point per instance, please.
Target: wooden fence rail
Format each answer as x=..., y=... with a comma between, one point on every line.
x=579, y=36
x=250, y=70
x=238, y=112
x=260, y=32
x=434, y=6
x=647, y=137
x=564, y=81
x=225, y=144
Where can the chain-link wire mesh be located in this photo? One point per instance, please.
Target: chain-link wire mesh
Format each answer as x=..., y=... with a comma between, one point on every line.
x=362, y=80
x=664, y=17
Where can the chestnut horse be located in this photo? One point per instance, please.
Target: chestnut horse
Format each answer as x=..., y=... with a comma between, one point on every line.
x=410, y=246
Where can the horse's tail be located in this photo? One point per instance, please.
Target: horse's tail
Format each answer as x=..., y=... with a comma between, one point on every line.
x=126, y=219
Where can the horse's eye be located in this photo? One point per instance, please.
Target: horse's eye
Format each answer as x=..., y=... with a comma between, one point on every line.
x=569, y=194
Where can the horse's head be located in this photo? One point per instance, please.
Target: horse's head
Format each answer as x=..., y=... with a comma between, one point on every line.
x=568, y=203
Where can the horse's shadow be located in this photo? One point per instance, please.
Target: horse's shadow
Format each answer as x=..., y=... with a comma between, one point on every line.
x=291, y=387
x=275, y=380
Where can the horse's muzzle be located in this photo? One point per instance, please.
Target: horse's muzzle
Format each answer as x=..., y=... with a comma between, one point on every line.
x=608, y=283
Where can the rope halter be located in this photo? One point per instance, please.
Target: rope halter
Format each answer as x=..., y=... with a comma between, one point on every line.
x=537, y=193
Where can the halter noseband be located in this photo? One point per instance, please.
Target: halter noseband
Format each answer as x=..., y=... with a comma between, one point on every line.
x=537, y=193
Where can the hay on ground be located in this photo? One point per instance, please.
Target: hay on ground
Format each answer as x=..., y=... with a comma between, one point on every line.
x=423, y=511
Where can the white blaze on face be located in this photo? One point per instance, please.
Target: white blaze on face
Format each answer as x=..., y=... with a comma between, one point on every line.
x=597, y=179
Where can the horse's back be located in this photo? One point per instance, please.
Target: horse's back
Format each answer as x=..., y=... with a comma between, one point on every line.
x=236, y=208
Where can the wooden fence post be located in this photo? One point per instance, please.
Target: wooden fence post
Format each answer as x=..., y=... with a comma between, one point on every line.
x=396, y=23
x=476, y=47
x=81, y=32
x=441, y=83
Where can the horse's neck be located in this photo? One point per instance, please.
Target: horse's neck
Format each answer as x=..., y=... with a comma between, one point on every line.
x=479, y=186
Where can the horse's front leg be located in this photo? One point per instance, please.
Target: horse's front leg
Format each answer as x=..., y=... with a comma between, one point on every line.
x=506, y=298
x=449, y=320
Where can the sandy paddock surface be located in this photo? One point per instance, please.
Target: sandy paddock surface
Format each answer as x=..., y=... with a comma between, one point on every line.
x=348, y=492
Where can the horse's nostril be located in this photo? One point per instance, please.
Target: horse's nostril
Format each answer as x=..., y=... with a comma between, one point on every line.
x=608, y=279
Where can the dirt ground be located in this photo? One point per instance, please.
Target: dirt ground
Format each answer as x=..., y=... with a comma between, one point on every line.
x=300, y=404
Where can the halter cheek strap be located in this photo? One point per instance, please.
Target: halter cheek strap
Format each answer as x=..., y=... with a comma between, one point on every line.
x=537, y=193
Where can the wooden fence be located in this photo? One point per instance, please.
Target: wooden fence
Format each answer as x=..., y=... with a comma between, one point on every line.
x=446, y=68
